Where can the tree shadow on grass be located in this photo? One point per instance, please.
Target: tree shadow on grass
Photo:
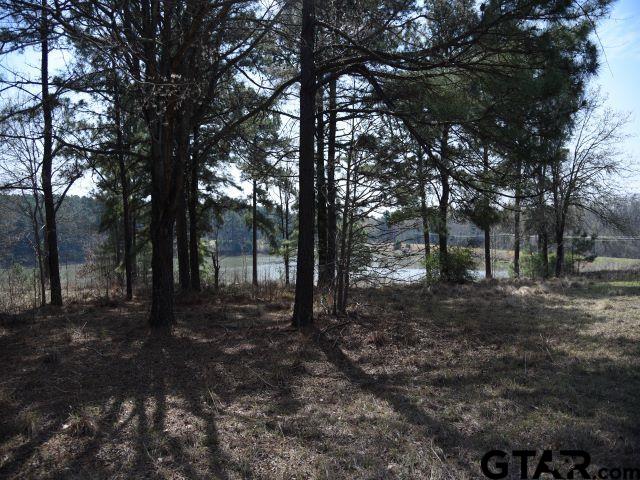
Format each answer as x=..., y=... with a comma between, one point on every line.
x=230, y=387
x=501, y=371
x=118, y=402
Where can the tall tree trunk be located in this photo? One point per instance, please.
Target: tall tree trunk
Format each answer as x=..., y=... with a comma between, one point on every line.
x=287, y=255
x=543, y=232
x=443, y=207
x=38, y=245
x=126, y=220
x=194, y=238
x=332, y=216
x=424, y=212
x=215, y=262
x=303, y=306
x=124, y=187
x=51, y=234
x=487, y=230
x=134, y=248
x=182, y=241
x=344, y=297
x=516, y=226
x=487, y=253
x=45, y=247
x=443, y=233
x=254, y=234
x=559, y=267
x=116, y=247
x=161, y=234
x=167, y=178
x=544, y=250
x=342, y=262
x=182, y=237
x=321, y=192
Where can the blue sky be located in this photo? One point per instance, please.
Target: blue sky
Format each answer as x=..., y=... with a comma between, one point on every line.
x=619, y=76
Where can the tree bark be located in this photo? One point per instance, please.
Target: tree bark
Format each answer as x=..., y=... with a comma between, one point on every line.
x=543, y=233
x=284, y=228
x=182, y=236
x=124, y=186
x=134, y=248
x=516, y=226
x=287, y=255
x=487, y=253
x=51, y=235
x=161, y=269
x=194, y=238
x=443, y=207
x=332, y=220
x=38, y=244
x=182, y=241
x=487, y=230
x=167, y=178
x=544, y=249
x=117, y=251
x=344, y=298
x=216, y=269
x=424, y=213
x=443, y=234
x=559, y=267
x=339, y=302
x=254, y=234
x=303, y=306
x=321, y=192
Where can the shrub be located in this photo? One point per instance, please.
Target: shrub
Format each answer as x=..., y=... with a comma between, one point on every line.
x=532, y=265
x=459, y=269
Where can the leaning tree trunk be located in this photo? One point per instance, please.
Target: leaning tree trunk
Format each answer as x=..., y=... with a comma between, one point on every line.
x=332, y=217
x=51, y=234
x=194, y=252
x=323, y=279
x=303, y=306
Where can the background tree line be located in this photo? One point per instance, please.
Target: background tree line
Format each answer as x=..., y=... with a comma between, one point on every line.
x=332, y=112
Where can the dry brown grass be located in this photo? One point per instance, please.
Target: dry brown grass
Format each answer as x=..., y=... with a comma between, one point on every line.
x=415, y=383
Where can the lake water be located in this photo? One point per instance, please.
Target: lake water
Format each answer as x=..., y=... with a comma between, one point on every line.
x=271, y=267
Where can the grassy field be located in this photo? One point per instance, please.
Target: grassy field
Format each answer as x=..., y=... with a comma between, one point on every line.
x=415, y=383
